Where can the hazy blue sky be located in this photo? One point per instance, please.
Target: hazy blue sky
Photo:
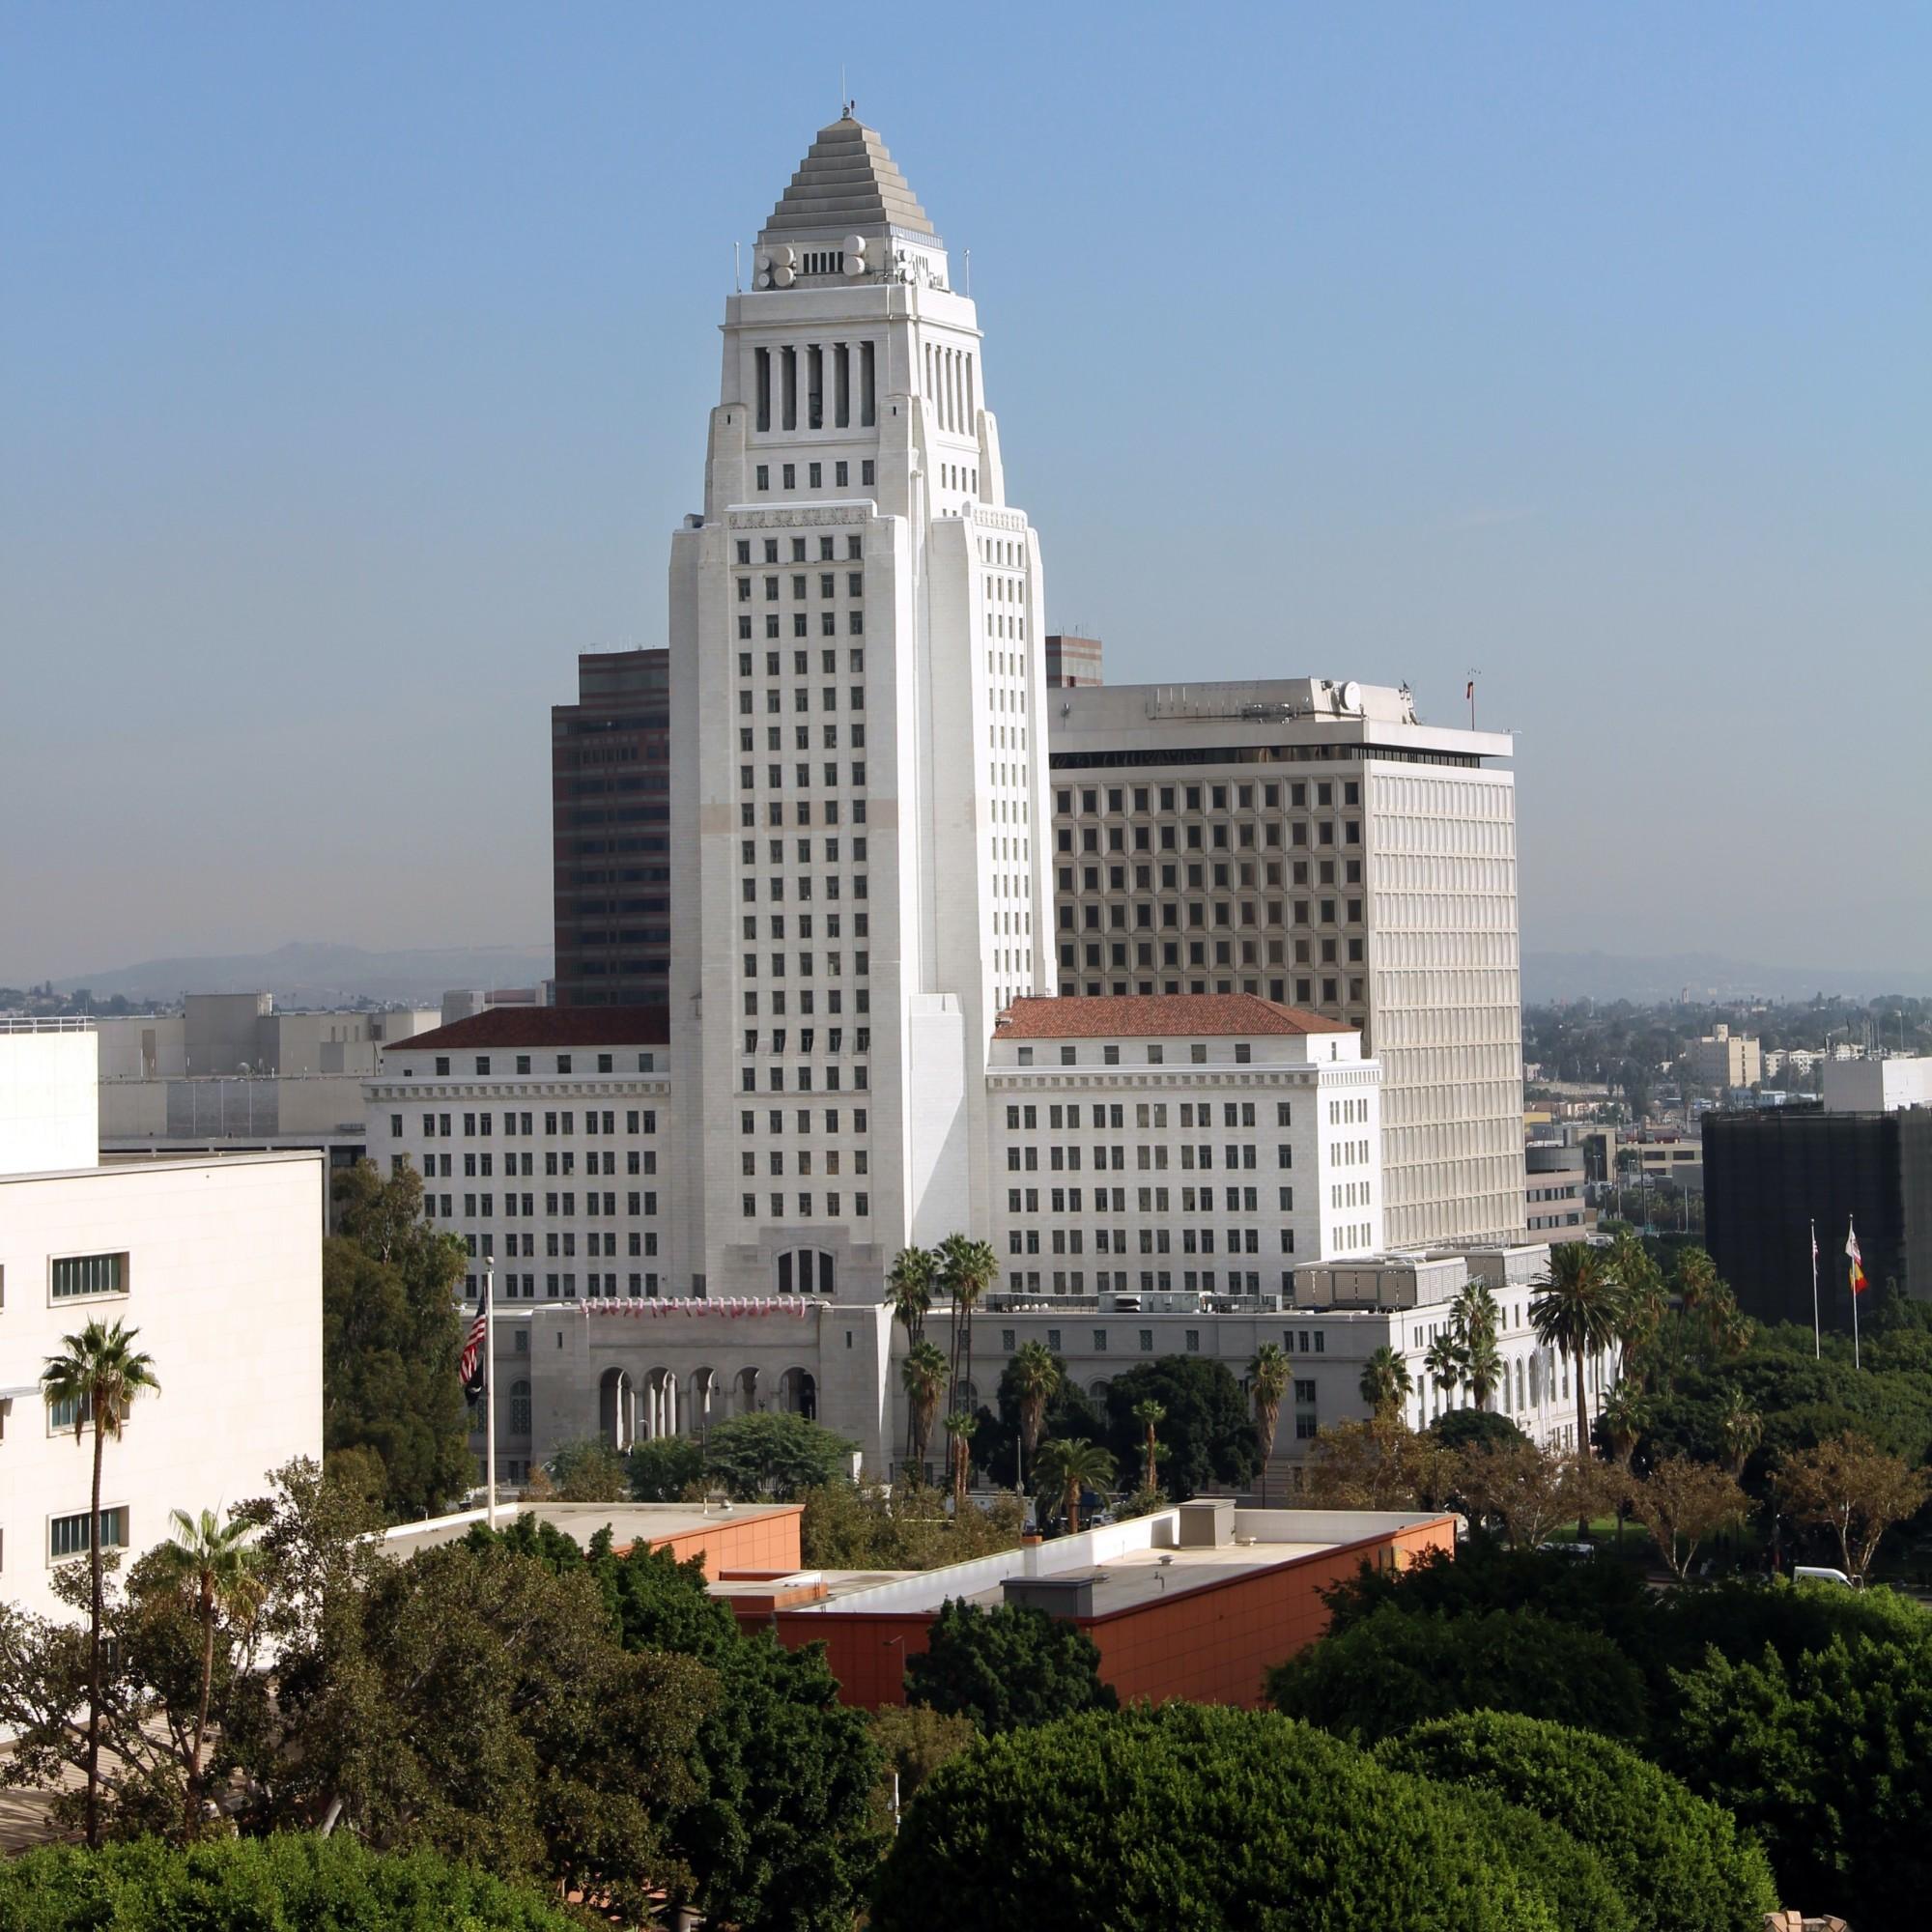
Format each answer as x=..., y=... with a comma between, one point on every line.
x=356, y=363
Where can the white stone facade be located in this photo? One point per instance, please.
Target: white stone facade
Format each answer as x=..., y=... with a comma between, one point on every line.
x=216, y=1264
x=542, y=1143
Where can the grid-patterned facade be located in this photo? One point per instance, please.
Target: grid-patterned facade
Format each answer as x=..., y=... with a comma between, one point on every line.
x=611, y=831
x=1315, y=845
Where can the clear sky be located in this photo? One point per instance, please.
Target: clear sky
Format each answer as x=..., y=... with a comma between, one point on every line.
x=356, y=360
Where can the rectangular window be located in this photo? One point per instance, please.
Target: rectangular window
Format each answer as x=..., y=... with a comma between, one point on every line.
x=75, y=1276
x=70, y=1535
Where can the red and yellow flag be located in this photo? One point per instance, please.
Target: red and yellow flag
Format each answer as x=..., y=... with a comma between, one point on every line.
x=1857, y=1260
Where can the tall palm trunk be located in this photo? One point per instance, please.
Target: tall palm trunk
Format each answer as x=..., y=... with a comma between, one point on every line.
x=191, y=1819
x=1582, y=1439
x=93, y=1653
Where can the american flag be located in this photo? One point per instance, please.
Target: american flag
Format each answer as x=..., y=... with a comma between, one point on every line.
x=470, y=1364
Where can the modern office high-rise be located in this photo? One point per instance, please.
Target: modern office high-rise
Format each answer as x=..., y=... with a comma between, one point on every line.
x=1314, y=842
x=856, y=683
x=609, y=826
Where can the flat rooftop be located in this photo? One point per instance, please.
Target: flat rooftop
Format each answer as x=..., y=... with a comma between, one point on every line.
x=1125, y=1564
x=628, y=1522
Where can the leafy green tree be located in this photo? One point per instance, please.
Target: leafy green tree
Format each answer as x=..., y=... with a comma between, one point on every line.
x=1068, y=1412
x=778, y=1831
x=1677, y=1860
x=1208, y=1432
x=1826, y=1757
x=587, y=1470
x=1577, y=1308
x=923, y=1375
x=1367, y=1466
x=1036, y=1375
x=1527, y=1489
x=774, y=1456
x=1190, y=1815
x=217, y=1564
x=1390, y=1670
x=1007, y=1666
x=1268, y=1376
x=862, y=1526
x=1474, y=1429
x=662, y=1468
x=96, y=1380
x=1621, y=1422
x=320, y=1885
x=915, y=1741
x=390, y=1336
x=1066, y=1468
x=1575, y=1880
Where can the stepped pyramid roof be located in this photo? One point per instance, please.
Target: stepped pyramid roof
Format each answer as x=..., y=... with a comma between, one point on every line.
x=847, y=180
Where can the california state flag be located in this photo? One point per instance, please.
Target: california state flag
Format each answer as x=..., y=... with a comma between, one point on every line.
x=1857, y=1260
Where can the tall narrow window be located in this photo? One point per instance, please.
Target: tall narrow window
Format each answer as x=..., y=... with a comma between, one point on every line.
x=841, y=385
x=868, y=397
x=765, y=385
x=814, y=386
x=788, y=403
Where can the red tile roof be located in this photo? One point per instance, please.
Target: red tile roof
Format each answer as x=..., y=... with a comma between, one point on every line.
x=1156, y=1016
x=545, y=1026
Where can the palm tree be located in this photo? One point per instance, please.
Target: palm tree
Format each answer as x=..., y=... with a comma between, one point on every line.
x=1742, y=1428
x=1482, y=1366
x=1474, y=1312
x=1269, y=1377
x=960, y=1427
x=909, y=1289
x=1696, y=1279
x=222, y=1568
x=1625, y=1415
x=98, y=1376
x=1067, y=1466
x=1444, y=1361
x=1577, y=1307
x=923, y=1375
x=967, y=1268
x=1387, y=1384
x=1149, y=1414
x=1036, y=1380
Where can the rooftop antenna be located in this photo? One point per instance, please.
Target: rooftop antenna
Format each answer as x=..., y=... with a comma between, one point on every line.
x=969, y=275
x=737, y=267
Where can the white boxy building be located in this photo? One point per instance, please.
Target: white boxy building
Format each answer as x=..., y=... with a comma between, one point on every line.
x=217, y=1263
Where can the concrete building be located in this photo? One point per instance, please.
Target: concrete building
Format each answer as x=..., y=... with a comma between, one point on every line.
x=1198, y=1602
x=538, y=1132
x=1158, y=1144
x=1556, y=1191
x=1770, y=1177
x=215, y=1263
x=1877, y=1086
x=1071, y=661
x=610, y=835
x=1313, y=843
x=1724, y=1058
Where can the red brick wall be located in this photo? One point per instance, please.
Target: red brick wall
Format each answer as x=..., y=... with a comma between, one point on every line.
x=768, y=1543
x=1212, y=1645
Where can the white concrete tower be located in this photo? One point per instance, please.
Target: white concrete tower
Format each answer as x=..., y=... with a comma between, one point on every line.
x=859, y=782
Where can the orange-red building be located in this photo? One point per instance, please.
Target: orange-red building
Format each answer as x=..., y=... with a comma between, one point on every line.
x=1196, y=1602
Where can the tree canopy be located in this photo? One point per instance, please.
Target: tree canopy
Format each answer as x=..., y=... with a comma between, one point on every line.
x=390, y=1336
x=1206, y=1434
x=773, y=1456
x=1005, y=1667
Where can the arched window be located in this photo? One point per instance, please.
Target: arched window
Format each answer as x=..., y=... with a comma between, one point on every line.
x=804, y=1272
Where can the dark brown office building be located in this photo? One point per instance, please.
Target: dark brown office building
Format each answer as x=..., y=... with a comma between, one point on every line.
x=611, y=832
x=1072, y=660
x=1769, y=1175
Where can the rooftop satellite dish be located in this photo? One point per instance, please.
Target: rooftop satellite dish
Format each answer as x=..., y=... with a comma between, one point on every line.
x=1351, y=696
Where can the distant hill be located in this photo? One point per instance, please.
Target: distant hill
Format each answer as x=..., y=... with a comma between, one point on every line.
x=1606, y=976
x=315, y=975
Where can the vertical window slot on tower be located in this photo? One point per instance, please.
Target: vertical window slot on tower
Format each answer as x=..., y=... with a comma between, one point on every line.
x=814, y=387
x=788, y=366
x=764, y=383
x=868, y=401
x=841, y=385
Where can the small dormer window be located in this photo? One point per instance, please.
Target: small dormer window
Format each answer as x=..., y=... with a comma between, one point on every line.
x=824, y=262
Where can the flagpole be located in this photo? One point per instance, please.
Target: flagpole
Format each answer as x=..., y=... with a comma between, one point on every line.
x=490, y=1383
x=1857, y=1363
x=1815, y=1350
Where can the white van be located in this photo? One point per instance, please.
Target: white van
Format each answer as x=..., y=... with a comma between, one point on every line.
x=1807, y=1573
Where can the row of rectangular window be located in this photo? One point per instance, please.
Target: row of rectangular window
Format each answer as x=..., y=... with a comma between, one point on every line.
x=75, y=1276
x=1151, y=1199
x=801, y=627
x=1190, y=797
x=841, y=475
x=1152, y=1241
x=861, y=1206
x=775, y=778
x=606, y=1062
x=1156, y=1055
x=747, y=1121
x=1026, y=1159
x=828, y=552
x=1171, y=840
